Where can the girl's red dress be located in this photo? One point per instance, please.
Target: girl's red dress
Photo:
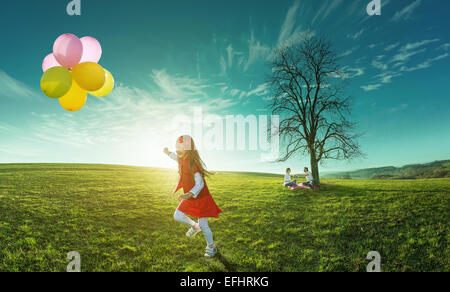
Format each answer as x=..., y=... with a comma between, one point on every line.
x=201, y=207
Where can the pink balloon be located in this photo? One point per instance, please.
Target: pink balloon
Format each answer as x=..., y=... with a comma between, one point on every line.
x=92, y=50
x=49, y=62
x=68, y=50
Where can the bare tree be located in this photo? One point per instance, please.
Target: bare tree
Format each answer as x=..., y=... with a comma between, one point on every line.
x=308, y=84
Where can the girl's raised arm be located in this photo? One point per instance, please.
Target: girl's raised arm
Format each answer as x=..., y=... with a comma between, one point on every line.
x=172, y=155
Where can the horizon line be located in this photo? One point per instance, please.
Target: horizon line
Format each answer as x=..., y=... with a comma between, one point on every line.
x=242, y=171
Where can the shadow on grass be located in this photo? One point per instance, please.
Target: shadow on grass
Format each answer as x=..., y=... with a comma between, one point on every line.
x=229, y=266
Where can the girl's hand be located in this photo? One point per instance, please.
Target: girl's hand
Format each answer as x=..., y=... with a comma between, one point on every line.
x=185, y=196
x=166, y=151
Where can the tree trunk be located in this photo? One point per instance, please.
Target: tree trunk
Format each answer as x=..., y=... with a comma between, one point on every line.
x=315, y=169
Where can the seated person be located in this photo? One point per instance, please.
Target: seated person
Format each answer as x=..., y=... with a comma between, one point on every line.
x=309, y=179
x=288, y=180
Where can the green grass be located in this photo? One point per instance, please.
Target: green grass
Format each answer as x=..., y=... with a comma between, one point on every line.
x=121, y=219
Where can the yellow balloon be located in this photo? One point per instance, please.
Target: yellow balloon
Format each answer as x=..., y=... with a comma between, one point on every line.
x=56, y=82
x=75, y=99
x=107, y=87
x=90, y=76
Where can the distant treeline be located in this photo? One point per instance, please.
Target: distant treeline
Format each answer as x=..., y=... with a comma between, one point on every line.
x=437, y=169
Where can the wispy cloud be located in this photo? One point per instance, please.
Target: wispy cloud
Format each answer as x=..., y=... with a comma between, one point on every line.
x=260, y=90
x=411, y=49
x=320, y=11
x=332, y=7
x=371, y=87
x=379, y=65
x=326, y=8
x=257, y=51
x=290, y=33
x=444, y=47
x=230, y=55
x=349, y=72
x=178, y=87
x=287, y=28
x=13, y=88
x=228, y=61
x=398, y=63
x=391, y=47
x=413, y=46
x=406, y=12
x=424, y=65
x=386, y=77
x=406, y=55
x=399, y=108
x=348, y=52
x=356, y=35
x=223, y=66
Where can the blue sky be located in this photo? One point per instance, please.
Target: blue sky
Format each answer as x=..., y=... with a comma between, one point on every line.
x=170, y=56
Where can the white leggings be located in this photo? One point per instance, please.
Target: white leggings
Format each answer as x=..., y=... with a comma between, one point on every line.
x=202, y=222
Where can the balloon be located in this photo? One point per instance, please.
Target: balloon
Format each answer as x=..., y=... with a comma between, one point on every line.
x=49, y=62
x=56, y=82
x=90, y=76
x=68, y=50
x=75, y=99
x=107, y=88
x=92, y=50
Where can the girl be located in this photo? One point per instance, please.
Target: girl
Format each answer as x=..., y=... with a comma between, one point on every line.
x=196, y=201
x=288, y=179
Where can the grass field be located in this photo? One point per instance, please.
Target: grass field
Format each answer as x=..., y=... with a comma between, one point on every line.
x=121, y=219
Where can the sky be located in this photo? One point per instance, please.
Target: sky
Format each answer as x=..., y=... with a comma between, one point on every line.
x=173, y=58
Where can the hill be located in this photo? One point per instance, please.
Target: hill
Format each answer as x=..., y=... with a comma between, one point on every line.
x=121, y=219
x=437, y=169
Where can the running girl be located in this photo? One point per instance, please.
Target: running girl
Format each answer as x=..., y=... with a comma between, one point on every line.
x=196, y=201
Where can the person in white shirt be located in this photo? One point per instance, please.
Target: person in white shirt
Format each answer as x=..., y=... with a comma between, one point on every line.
x=288, y=179
x=309, y=178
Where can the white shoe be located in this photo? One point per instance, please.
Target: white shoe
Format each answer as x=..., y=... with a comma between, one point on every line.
x=192, y=232
x=211, y=252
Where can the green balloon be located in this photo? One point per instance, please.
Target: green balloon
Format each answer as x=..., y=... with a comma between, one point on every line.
x=56, y=82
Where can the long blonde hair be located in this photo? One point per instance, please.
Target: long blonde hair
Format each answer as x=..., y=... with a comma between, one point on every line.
x=194, y=158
